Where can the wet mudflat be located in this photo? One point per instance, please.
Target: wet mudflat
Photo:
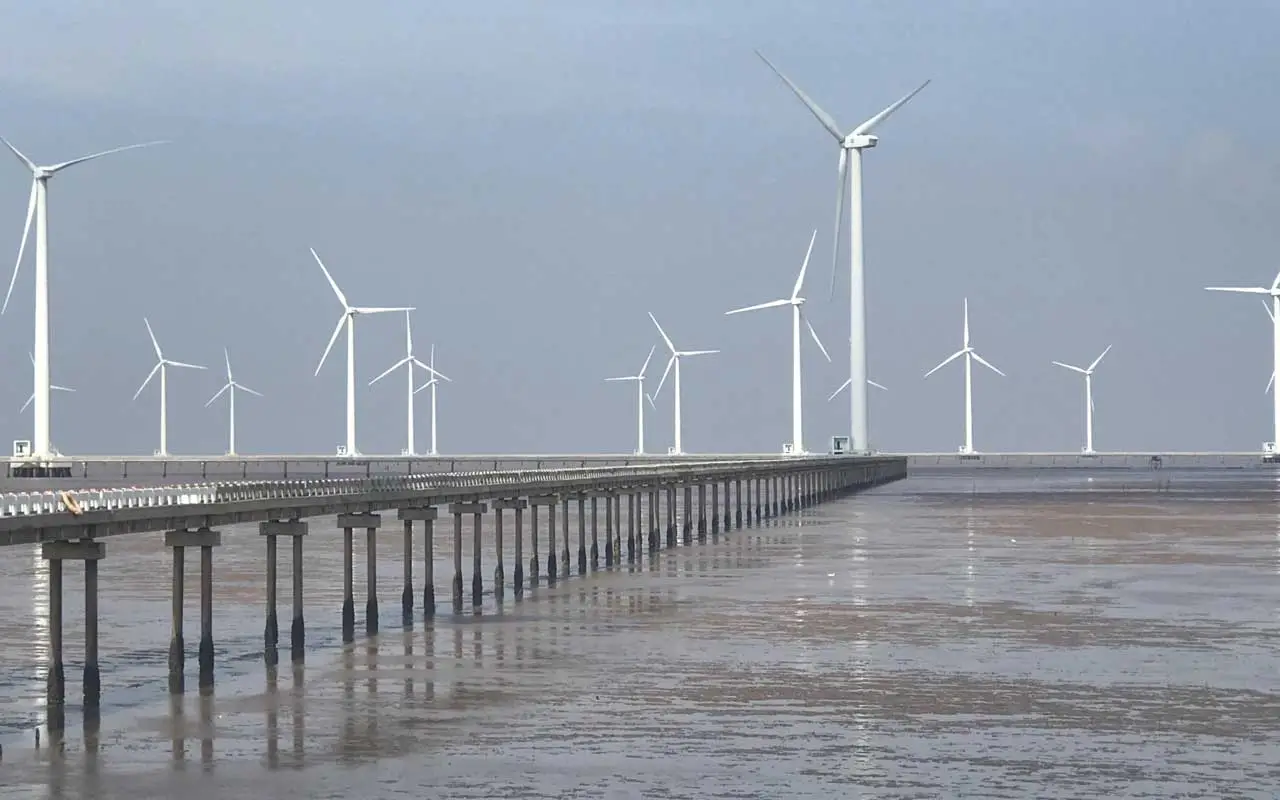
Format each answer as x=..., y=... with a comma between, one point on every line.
x=1009, y=636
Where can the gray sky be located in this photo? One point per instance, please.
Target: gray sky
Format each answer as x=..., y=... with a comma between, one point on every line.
x=534, y=177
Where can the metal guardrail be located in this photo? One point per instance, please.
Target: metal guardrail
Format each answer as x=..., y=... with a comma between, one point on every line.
x=56, y=502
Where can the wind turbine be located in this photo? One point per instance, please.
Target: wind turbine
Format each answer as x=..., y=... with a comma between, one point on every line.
x=797, y=317
x=640, y=396
x=851, y=144
x=676, y=355
x=55, y=387
x=1274, y=310
x=435, y=379
x=970, y=355
x=410, y=360
x=1087, y=372
x=230, y=388
x=848, y=382
x=38, y=207
x=161, y=364
x=348, y=318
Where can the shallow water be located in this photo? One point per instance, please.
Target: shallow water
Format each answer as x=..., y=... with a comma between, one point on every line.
x=1056, y=635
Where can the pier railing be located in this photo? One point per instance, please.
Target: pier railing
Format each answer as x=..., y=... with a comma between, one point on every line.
x=37, y=503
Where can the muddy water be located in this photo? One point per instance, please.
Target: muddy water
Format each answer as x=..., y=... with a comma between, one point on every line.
x=1013, y=636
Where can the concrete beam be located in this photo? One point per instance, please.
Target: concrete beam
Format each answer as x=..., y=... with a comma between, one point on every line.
x=545, y=500
x=73, y=551
x=467, y=508
x=422, y=514
x=282, y=527
x=506, y=504
x=198, y=538
x=359, y=521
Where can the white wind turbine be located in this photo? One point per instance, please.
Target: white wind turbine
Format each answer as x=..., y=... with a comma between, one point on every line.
x=348, y=318
x=851, y=144
x=640, y=397
x=676, y=355
x=38, y=207
x=52, y=386
x=161, y=364
x=1274, y=310
x=432, y=383
x=796, y=302
x=970, y=355
x=411, y=361
x=230, y=388
x=1087, y=372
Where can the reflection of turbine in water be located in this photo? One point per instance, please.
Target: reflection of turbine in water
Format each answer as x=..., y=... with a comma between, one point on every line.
x=970, y=527
x=40, y=614
x=861, y=660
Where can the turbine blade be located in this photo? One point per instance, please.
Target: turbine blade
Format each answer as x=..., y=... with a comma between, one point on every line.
x=376, y=310
x=966, y=322
x=663, y=380
x=627, y=378
x=150, y=375
x=870, y=124
x=390, y=370
x=945, y=362
x=227, y=357
x=758, y=306
x=848, y=382
x=435, y=372
x=645, y=366
x=183, y=365
x=82, y=159
x=814, y=334
x=1098, y=360
x=1244, y=290
x=663, y=333
x=987, y=364
x=431, y=382
x=152, y=334
x=341, y=320
x=804, y=267
x=1070, y=367
x=219, y=393
x=31, y=357
x=1270, y=313
x=22, y=246
x=698, y=352
x=878, y=386
x=408, y=334
x=28, y=162
x=57, y=388
x=818, y=113
x=342, y=298
x=1275, y=284
x=1270, y=383
x=649, y=397
x=841, y=190
x=32, y=398
x=244, y=388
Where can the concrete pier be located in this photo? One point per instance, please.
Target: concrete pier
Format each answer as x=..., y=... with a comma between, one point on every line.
x=582, y=535
x=517, y=571
x=553, y=563
x=477, y=577
x=609, y=523
x=427, y=516
x=564, y=538
x=348, y=523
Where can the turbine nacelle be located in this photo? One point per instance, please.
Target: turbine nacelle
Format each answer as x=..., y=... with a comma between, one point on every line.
x=859, y=141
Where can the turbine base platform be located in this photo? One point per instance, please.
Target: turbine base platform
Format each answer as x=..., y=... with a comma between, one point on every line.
x=30, y=468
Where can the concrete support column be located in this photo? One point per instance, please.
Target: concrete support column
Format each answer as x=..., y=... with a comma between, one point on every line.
x=371, y=523
x=609, y=500
x=633, y=515
x=671, y=516
x=499, y=578
x=655, y=532
x=548, y=501
x=617, y=528
x=737, y=502
x=177, y=645
x=686, y=515
x=595, y=529
x=295, y=529
x=715, y=507
x=90, y=552
x=553, y=554
x=348, y=589
x=427, y=516
x=517, y=571
x=477, y=576
x=457, y=509
x=565, y=561
x=776, y=489
x=702, y=511
x=208, y=540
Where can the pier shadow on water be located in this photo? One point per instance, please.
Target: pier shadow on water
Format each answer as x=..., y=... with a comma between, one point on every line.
x=923, y=639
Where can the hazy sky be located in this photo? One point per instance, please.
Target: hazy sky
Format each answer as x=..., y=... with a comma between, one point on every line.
x=534, y=177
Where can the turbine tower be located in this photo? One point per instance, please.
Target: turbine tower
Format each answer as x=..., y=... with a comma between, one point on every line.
x=970, y=355
x=1087, y=372
x=52, y=386
x=676, y=355
x=230, y=388
x=38, y=207
x=849, y=169
x=348, y=318
x=411, y=361
x=796, y=302
x=640, y=396
x=1274, y=309
x=161, y=364
x=432, y=383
